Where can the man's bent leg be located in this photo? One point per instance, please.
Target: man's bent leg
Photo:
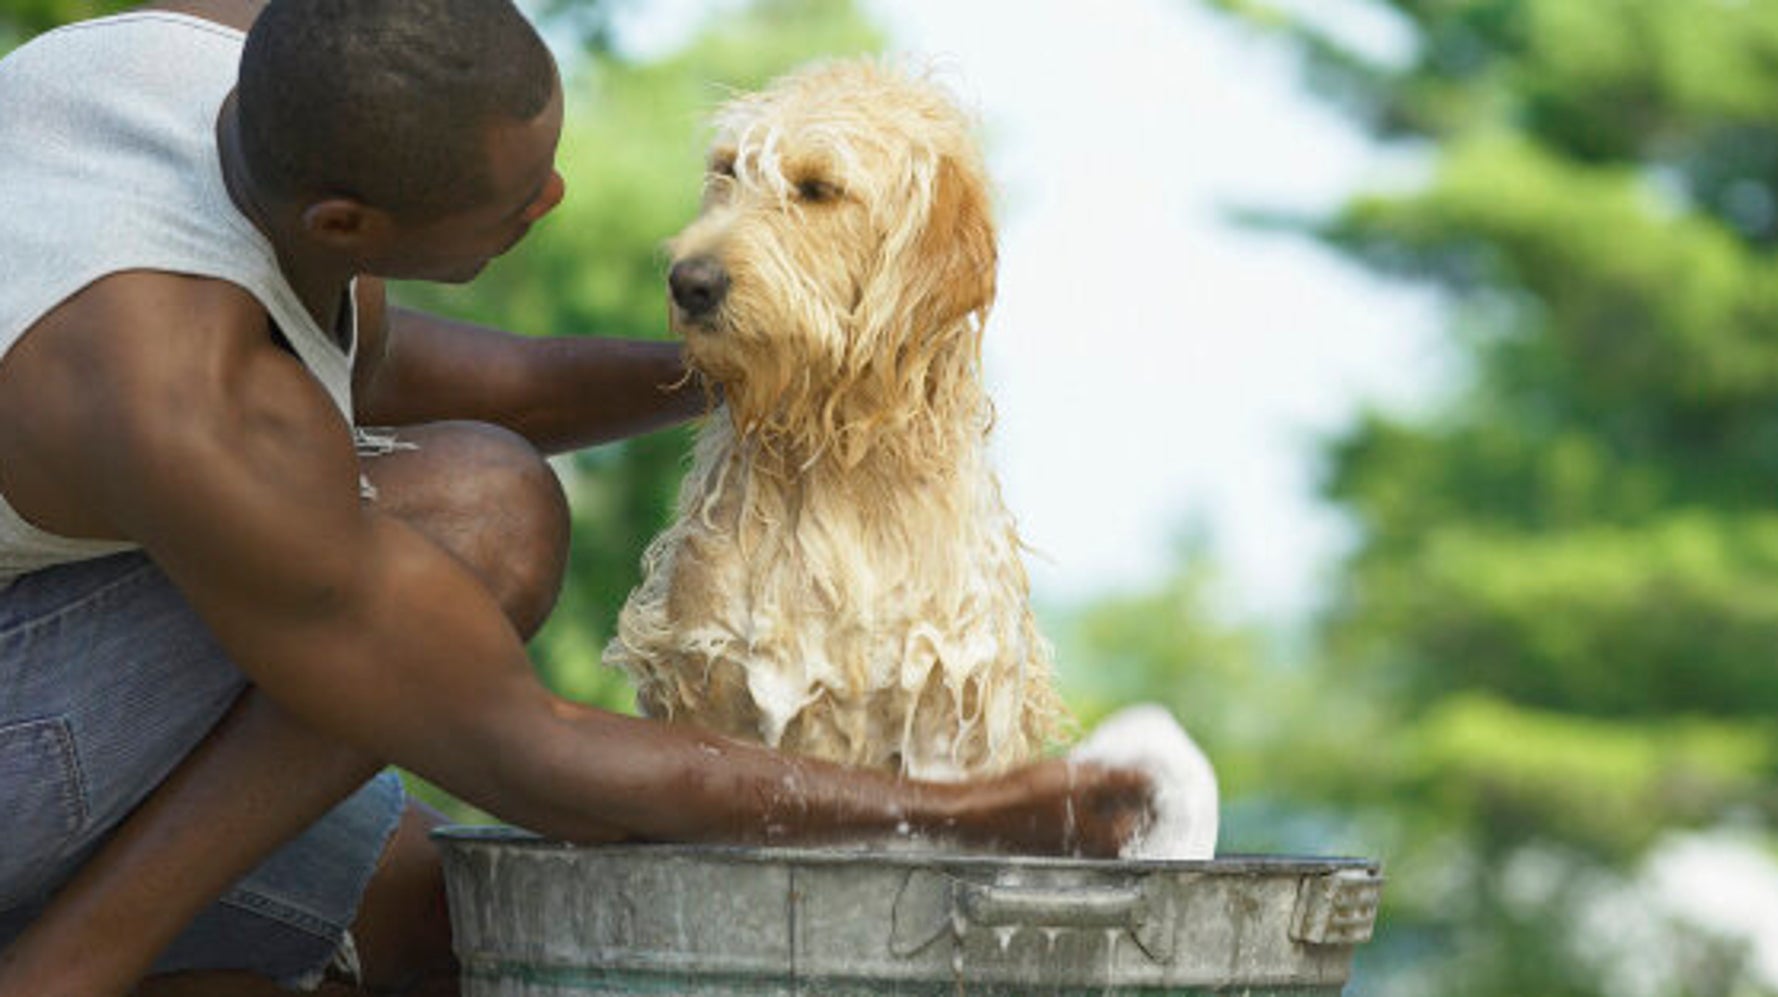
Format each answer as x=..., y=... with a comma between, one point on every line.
x=403, y=927
x=105, y=657
x=458, y=471
x=485, y=495
x=213, y=818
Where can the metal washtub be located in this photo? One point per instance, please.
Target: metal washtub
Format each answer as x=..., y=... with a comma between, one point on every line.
x=537, y=918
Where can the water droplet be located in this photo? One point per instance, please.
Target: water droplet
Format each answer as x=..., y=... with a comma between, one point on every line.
x=1070, y=834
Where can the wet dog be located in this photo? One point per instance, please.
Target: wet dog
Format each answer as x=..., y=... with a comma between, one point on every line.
x=843, y=579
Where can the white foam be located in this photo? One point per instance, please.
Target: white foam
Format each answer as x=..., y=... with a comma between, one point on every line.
x=1147, y=737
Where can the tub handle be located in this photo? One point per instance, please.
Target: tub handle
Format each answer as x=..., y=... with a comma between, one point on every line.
x=1027, y=907
x=1136, y=909
x=1337, y=909
x=931, y=905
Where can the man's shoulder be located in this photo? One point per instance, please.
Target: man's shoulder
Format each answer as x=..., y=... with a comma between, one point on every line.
x=131, y=303
x=133, y=364
x=141, y=326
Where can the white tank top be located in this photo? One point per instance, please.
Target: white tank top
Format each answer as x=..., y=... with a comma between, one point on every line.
x=108, y=162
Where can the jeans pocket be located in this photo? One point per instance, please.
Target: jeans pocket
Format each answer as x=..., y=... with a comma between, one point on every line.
x=45, y=804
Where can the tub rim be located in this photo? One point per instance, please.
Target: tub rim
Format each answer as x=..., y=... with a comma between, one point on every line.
x=1235, y=864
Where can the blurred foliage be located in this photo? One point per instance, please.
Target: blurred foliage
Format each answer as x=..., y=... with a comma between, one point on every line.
x=20, y=19
x=1564, y=601
x=588, y=22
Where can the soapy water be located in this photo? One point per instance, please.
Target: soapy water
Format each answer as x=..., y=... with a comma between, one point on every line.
x=1144, y=737
x=1148, y=738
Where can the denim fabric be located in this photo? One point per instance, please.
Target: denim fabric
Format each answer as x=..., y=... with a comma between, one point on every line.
x=107, y=680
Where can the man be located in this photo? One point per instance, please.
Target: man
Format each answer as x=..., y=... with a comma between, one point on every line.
x=216, y=586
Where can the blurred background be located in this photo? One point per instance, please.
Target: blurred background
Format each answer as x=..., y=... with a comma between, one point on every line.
x=1390, y=387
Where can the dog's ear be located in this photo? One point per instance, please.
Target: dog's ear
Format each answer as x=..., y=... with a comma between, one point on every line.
x=913, y=366
x=958, y=244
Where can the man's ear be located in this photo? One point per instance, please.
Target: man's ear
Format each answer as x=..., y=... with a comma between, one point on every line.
x=347, y=226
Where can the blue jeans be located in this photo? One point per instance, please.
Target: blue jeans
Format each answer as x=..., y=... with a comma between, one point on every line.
x=107, y=680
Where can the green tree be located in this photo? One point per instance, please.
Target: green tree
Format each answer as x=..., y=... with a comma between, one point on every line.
x=21, y=19
x=589, y=21
x=1566, y=592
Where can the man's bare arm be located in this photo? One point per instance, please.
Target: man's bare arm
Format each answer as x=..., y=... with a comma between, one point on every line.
x=223, y=457
x=560, y=392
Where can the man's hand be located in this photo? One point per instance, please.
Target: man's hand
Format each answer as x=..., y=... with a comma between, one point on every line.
x=1057, y=807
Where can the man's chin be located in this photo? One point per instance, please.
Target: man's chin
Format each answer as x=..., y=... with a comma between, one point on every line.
x=459, y=273
x=462, y=275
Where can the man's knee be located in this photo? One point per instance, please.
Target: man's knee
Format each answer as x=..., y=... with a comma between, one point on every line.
x=486, y=495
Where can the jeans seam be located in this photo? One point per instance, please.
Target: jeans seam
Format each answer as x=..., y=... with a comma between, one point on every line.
x=71, y=789
x=284, y=912
x=277, y=908
x=30, y=627
x=74, y=788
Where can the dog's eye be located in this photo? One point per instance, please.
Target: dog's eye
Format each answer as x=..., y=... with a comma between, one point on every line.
x=723, y=166
x=817, y=191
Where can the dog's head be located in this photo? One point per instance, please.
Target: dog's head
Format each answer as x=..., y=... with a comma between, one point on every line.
x=837, y=280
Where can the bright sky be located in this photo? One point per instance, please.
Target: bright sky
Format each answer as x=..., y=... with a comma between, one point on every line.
x=1155, y=367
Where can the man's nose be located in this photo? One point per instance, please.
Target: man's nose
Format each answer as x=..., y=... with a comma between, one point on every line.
x=553, y=191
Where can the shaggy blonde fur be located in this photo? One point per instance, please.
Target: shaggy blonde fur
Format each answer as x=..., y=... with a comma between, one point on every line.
x=843, y=579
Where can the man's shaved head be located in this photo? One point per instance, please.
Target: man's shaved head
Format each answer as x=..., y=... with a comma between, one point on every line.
x=386, y=101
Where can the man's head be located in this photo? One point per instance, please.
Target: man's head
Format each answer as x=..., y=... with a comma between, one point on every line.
x=403, y=118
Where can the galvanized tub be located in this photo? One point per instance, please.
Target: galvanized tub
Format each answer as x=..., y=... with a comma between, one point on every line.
x=536, y=918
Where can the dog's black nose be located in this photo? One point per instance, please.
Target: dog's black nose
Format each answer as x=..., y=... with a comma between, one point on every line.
x=698, y=284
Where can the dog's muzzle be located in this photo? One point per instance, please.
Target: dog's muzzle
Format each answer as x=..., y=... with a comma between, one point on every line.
x=698, y=284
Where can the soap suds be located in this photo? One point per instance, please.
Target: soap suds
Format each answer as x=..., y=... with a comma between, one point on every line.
x=1148, y=738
